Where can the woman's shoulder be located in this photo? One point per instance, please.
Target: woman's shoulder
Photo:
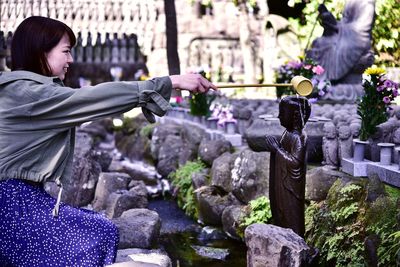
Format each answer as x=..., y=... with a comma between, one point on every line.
x=11, y=76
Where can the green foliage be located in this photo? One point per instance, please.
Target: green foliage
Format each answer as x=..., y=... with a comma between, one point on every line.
x=393, y=192
x=147, y=130
x=381, y=220
x=260, y=212
x=385, y=33
x=339, y=225
x=182, y=181
x=332, y=226
x=200, y=103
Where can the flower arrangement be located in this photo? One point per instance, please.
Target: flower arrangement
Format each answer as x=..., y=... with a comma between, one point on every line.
x=306, y=68
x=222, y=113
x=374, y=104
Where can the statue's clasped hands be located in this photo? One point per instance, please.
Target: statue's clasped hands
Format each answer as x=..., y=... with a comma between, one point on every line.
x=272, y=144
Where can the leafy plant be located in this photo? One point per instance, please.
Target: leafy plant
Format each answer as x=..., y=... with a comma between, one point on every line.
x=373, y=105
x=260, y=212
x=182, y=181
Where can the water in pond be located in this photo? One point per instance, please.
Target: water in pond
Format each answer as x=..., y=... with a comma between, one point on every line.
x=181, y=237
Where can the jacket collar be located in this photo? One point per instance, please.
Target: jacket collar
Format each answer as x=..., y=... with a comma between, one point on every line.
x=10, y=76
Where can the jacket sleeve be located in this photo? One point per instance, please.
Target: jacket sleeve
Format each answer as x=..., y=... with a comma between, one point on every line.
x=66, y=107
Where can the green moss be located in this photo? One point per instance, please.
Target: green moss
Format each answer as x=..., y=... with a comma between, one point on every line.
x=147, y=130
x=182, y=181
x=393, y=192
x=339, y=225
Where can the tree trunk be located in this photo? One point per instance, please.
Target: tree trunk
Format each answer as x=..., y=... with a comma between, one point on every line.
x=172, y=39
x=248, y=49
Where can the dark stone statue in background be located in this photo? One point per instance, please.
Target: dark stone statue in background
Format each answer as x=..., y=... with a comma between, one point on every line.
x=288, y=165
x=344, y=49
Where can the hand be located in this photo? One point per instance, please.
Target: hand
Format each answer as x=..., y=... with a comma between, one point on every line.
x=272, y=143
x=192, y=82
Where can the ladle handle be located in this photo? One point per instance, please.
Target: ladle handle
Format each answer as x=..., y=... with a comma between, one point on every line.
x=254, y=85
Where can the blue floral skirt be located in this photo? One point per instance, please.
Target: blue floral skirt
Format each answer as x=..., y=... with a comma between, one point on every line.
x=31, y=236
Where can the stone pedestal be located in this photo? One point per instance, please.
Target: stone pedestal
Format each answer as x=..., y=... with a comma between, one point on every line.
x=355, y=168
x=386, y=153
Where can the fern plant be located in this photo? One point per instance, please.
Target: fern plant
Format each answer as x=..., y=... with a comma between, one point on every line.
x=182, y=181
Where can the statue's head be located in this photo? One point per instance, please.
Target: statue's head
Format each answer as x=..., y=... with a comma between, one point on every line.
x=294, y=112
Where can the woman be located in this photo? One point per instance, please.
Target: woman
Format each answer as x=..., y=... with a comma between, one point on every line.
x=37, y=119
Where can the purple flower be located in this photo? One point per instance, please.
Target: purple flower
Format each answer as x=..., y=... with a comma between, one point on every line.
x=388, y=83
x=314, y=82
x=312, y=100
x=386, y=100
x=395, y=93
x=380, y=88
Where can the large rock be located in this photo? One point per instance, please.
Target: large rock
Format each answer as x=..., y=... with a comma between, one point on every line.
x=168, y=155
x=79, y=190
x=138, y=228
x=138, y=170
x=319, y=180
x=160, y=134
x=143, y=257
x=211, y=202
x=250, y=175
x=221, y=171
x=123, y=200
x=130, y=140
x=231, y=219
x=109, y=182
x=269, y=245
x=209, y=150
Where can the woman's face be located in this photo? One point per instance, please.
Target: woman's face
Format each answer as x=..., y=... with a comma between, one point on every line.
x=60, y=57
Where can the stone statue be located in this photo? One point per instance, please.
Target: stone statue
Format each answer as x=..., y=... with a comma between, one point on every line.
x=396, y=141
x=79, y=48
x=97, y=49
x=288, y=165
x=355, y=129
x=344, y=49
x=345, y=142
x=89, y=49
x=330, y=145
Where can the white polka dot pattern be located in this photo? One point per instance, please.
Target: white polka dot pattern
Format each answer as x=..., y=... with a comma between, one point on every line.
x=31, y=236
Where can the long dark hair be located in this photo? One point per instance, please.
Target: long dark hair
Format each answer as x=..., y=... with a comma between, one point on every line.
x=33, y=38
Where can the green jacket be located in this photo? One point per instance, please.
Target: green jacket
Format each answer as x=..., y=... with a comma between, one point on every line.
x=38, y=115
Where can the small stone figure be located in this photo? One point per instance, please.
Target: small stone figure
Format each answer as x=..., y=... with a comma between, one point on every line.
x=288, y=165
x=97, y=49
x=79, y=48
x=396, y=141
x=330, y=145
x=345, y=142
x=89, y=49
